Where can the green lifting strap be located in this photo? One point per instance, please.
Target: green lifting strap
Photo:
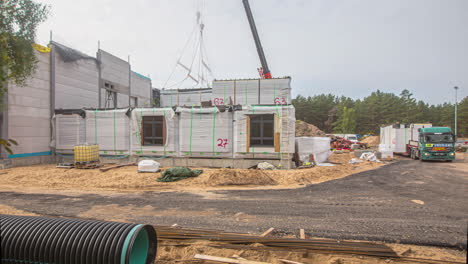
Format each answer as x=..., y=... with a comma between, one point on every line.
x=214, y=130
x=165, y=143
x=115, y=139
x=95, y=127
x=253, y=148
x=191, y=129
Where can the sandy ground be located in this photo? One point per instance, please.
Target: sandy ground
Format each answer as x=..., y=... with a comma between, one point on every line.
x=171, y=252
x=128, y=179
x=183, y=252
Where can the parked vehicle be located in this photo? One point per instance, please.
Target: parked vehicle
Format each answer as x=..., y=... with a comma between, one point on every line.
x=351, y=137
x=419, y=141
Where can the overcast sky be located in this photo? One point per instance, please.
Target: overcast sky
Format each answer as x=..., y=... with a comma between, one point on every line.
x=344, y=47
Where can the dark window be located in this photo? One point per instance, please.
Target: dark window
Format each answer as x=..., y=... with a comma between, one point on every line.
x=153, y=131
x=262, y=130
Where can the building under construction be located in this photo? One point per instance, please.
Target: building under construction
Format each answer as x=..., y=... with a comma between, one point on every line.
x=213, y=134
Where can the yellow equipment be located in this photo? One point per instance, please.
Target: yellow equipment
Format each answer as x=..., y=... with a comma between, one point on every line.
x=86, y=154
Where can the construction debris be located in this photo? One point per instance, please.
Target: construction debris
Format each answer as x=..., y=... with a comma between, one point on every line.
x=266, y=233
x=355, y=161
x=227, y=260
x=302, y=234
x=265, y=166
x=116, y=166
x=369, y=156
x=240, y=240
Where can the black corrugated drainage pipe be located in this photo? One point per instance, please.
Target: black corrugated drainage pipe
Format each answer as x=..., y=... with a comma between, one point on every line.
x=43, y=240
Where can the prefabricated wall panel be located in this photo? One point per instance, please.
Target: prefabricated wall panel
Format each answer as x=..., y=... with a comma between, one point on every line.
x=252, y=92
x=141, y=88
x=168, y=149
x=109, y=129
x=116, y=71
x=185, y=97
x=275, y=91
x=70, y=130
x=29, y=110
x=284, y=129
x=76, y=83
x=122, y=100
x=205, y=132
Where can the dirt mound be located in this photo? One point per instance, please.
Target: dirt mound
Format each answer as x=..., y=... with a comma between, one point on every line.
x=226, y=177
x=304, y=129
x=372, y=140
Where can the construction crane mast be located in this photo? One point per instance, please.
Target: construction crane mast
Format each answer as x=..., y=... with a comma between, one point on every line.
x=265, y=71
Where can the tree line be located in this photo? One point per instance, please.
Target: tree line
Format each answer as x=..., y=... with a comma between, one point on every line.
x=340, y=114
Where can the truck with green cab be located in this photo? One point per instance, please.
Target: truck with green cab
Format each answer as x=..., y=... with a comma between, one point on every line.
x=434, y=143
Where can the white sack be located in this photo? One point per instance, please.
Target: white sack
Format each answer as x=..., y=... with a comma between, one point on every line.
x=148, y=166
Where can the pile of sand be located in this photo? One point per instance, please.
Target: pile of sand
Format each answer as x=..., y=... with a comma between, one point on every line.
x=372, y=140
x=128, y=179
x=226, y=177
x=304, y=129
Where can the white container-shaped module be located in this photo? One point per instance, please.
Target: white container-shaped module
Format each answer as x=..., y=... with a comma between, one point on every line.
x=264, y=132
x=396, y=137
x=205, y=132
x=69, y=130
x=154, y=132
x=110, y=129
x=276, y=91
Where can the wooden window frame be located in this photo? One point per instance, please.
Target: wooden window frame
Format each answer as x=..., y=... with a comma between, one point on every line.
x=260, y=119
x=154, y=122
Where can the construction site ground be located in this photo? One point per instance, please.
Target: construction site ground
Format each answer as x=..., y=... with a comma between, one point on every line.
x=404, y=203
x=127, y=179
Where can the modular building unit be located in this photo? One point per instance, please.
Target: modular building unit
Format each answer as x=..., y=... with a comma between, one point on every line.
x=395, y=138
x=154, y=132
x=205, y=132
x=69, y=130
x=264, y=132
x=276, y=91
x=110, y=129
x=185, y=97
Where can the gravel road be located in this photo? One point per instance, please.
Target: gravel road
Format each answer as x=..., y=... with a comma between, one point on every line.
x=407, y=201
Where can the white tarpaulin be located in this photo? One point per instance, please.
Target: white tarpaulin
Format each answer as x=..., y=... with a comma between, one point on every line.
x=171, y=133
x=70, y=130
x=110, y=129
x=205, y=132
x=319, y=147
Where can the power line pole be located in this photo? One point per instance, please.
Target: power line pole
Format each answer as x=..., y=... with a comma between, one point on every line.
x=456, y=102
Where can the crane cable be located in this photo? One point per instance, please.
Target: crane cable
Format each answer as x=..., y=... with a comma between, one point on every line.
x=199, y=55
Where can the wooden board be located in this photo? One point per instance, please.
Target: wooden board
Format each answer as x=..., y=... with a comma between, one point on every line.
x=302, y=233
x=227, y=260
x=277, y=142
x=266, y=233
